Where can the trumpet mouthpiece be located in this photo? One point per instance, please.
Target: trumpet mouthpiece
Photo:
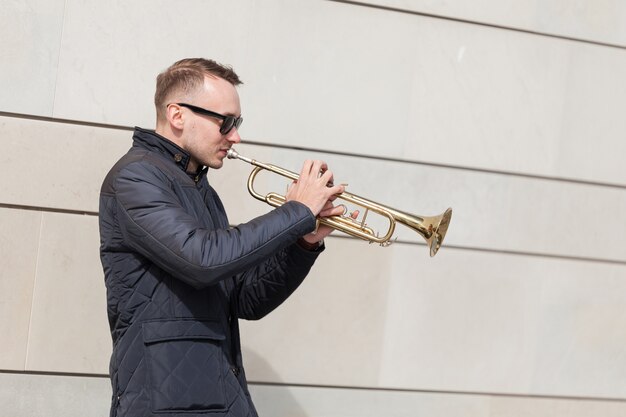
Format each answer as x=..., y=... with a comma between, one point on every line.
x=232, y=154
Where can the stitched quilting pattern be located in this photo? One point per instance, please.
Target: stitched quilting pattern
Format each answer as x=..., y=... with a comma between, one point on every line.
x=185, y=375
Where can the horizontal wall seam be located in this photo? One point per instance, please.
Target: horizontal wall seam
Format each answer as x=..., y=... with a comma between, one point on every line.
x=64, y=121
x=445, y=392
x=453, y=167
x=481, y=23
x=48, y=209
x=347, y=154
x=356, y=388
x=508, y=252
x=395, y=242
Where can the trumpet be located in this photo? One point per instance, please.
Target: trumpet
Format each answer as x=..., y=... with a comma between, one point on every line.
x=432, y=228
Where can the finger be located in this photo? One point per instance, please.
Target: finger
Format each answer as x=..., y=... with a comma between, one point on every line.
x=316, y=168
x=333, y=211
x=323, y=167
x=336, y=190
x=327, y=178
x=328, y=205
x=306, y=168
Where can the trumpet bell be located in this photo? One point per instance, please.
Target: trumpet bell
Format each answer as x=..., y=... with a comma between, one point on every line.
x=437, y=228
x=432, y=228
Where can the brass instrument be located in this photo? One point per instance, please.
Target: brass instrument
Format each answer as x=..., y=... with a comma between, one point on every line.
x=433, y=229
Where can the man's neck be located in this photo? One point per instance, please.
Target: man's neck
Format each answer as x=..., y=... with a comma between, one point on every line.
x=193, y=166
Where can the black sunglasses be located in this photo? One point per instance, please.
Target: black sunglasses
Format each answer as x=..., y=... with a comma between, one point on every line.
x=228, y=122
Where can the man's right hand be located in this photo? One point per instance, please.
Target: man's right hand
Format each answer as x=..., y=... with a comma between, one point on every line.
x=313, y=188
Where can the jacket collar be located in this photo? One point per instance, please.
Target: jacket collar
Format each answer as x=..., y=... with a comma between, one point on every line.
x=152, y=141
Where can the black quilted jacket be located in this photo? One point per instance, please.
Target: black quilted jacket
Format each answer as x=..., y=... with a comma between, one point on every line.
x=178, y=278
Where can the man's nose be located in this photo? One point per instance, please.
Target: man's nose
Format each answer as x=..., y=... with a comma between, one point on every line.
x=233, y=135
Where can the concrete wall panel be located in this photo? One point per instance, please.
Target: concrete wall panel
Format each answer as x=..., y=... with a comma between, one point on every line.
x=30, y=39
x=491, y=211
x=596, y=21
x=392, y=84
x=57, y=165
x=463, y=321
x=24, y=395
x=19, y=250
x=70, y=396
x=69, y=328
x=286, y=401
x=390, y=318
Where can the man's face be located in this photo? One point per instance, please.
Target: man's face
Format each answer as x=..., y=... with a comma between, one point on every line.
x=201, y=135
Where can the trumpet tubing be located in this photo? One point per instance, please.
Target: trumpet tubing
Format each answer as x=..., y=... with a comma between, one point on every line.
x=432, y=228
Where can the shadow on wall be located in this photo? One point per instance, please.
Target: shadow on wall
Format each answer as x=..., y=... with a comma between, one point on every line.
x=274, y=400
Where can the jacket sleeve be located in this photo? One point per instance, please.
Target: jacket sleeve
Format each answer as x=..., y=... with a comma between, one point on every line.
x=154, y=222
x=263, y=288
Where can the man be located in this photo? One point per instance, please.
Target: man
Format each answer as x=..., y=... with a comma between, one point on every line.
x=178, y=277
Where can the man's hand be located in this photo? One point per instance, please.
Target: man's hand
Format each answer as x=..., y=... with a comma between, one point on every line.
x=315, y=190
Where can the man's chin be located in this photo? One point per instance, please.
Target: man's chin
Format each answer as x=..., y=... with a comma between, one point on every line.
x=216, y=164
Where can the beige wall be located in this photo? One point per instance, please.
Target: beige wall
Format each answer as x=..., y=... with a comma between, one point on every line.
x=510, y=112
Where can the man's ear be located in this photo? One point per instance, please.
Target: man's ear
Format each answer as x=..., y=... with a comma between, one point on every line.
x=175, y=116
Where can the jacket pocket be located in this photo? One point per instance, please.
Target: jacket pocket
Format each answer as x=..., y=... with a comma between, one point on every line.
x=184, y=362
